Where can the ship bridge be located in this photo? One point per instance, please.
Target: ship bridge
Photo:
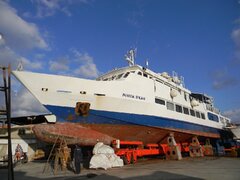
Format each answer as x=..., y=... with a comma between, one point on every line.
x=174, y=82
x=208, y=100
x=119, y=74
x=202, y=97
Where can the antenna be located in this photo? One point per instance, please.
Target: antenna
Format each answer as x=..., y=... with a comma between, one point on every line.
x=130, y=56
x=182, y=81
x=146, y=63
x=20, y=66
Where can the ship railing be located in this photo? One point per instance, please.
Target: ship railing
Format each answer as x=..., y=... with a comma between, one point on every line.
x=212, y=109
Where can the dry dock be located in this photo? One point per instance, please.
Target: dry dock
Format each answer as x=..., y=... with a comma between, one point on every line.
x=188, y=168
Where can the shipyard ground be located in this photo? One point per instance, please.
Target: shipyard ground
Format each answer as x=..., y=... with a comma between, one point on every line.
x=188, y=168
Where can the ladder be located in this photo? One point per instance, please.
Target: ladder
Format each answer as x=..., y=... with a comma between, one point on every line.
x=5, y=116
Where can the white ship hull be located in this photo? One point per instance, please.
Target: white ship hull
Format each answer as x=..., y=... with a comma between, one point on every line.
x=131, y=103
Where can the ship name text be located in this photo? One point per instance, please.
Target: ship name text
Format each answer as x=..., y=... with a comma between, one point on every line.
x=133, y=96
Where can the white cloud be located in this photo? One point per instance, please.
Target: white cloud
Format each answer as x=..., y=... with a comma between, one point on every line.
x=18, y=33
x=66, y=11
x=82, y=57
x=233, y=114
x=30, y=64
x=237, y=21
x=87, y=68
x=39, y=56
x=2, y=41
x=46, y=8
x=83, y=61
x=25, y=104
x=60, y=64
x=8, y=56
x=135, y=16
x=236, y=37
x=222, y=79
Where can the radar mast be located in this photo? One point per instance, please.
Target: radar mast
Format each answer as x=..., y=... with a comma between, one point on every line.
x=130, y=56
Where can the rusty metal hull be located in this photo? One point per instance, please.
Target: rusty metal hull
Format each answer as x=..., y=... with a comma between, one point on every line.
x=90, y=134
x=106, y=126
x=72, y=132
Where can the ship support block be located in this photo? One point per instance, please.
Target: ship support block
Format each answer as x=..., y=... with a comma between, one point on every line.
x=174, y=150
x=208, y=149
x=195, y=149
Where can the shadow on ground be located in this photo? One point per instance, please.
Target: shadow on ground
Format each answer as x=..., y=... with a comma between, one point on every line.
x=156, y=175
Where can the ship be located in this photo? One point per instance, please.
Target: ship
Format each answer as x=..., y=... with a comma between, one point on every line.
x=130, y=103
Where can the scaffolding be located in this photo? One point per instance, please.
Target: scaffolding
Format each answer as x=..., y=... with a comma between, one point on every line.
x=5, y=116
x=60, y=155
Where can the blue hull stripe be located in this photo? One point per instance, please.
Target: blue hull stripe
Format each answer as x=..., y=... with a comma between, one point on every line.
x=67, y=114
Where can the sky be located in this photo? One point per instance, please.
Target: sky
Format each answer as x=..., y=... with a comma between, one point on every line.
x=199, y=39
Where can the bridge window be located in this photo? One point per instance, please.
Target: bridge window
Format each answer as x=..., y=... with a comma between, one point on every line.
x=178, y=108
x=185, y=96
x=212, y=117
x=145, y=75
x=159, y=101
x=126, y=75
x=170, y=106
x=119, y=76
x=221, y=119
x=197, y=114
x=185, y=110
x=113, y=77
x=159, y=81
x=139, y=73
x=192, y=112
x=203, y=116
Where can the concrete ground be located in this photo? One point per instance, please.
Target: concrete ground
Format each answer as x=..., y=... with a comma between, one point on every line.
x=188, y=168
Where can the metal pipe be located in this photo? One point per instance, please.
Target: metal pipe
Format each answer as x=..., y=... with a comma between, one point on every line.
x=10, y=167
x=7, y=86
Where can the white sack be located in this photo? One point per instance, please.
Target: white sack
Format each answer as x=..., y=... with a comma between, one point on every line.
x=104, y=157
x=101, y=148
x=100, y=161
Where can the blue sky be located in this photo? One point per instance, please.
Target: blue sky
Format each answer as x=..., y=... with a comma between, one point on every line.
x=199, y=39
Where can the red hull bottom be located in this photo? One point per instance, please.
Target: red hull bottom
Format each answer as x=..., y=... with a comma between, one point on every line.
x=90, y=134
